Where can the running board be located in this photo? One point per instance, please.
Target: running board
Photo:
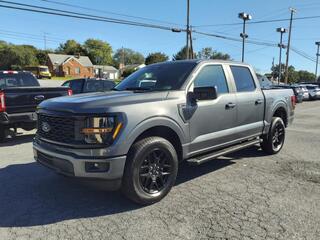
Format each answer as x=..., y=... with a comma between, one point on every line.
x=213, y=155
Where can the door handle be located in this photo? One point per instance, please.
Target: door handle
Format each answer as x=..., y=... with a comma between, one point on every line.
x=230, y=105
x=258, y=101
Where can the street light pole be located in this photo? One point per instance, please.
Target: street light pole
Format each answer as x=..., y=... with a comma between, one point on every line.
x=281, y=31
x=288, y=46
x=317, y=62
x=188, y=28
x=245, y=17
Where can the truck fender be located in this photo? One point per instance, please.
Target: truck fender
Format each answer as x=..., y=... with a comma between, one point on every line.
x=149, y=123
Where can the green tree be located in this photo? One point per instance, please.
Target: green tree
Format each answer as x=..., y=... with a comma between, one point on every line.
x=209, y=53
x=181, y=55
x=71, y=47
x=128, y=72
x=128, y=56
x=16, y=57
x=305, y=76
x=156, y=57
x=42, y=56
x=99, y=52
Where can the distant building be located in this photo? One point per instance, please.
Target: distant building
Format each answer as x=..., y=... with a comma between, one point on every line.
x=108, y=72
x=62, y=65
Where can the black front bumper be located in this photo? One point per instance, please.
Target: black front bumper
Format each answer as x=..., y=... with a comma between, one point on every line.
x=16, y=118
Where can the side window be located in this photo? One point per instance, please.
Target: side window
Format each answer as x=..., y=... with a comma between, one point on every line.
x=243, y=79
x=212, y=76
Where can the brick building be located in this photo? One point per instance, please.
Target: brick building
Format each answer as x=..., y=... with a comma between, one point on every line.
x=61, y=65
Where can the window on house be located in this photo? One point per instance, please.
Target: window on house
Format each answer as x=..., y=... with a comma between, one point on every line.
x=77, y=70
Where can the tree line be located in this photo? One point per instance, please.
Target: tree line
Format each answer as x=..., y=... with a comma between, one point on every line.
x=16, y=57
x=100, y=53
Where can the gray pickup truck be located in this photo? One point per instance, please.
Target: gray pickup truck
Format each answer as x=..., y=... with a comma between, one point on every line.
x=135, y=136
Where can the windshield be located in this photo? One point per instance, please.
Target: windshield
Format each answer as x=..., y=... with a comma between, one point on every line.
x=159, y=77
x=17, y=80
x=44, y=69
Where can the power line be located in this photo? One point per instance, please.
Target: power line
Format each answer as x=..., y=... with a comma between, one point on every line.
x=109, y=12
x=259, y=22
x=59, y=12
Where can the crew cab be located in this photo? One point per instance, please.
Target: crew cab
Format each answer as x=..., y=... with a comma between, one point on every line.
x=20, y=93
x=135, y=136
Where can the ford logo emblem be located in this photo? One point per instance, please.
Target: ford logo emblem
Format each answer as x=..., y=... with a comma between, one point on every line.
x=45, y=127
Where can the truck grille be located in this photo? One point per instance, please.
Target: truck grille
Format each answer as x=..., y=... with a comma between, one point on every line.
x=58, y=129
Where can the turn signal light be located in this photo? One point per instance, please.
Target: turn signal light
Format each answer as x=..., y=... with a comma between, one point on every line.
x=70, y=92
x=2, y=102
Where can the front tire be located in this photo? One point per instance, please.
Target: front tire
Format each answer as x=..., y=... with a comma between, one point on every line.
x=150, y=171
x=273, y=142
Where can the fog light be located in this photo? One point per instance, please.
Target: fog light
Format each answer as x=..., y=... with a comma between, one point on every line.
x=97, y=166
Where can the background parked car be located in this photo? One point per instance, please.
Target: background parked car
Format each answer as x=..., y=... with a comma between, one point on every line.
x=86, y=85
x=313, y=91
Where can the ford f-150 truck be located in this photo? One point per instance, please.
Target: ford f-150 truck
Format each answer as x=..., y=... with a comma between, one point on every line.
x=20, y=93
x=135, y=136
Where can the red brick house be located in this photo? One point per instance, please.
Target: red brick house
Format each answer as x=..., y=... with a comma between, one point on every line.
x=61, y=65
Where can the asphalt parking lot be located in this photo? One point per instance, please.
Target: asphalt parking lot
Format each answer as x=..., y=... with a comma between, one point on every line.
x=246, y=195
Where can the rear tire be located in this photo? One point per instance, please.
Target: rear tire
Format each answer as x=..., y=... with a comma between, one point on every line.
x=273, y=142
x=150, y=171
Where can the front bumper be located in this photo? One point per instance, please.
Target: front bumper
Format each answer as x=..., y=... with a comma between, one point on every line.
x=73, y=162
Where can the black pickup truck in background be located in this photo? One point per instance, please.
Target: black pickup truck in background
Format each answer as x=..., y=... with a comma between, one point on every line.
x=88, y=85
x=20, y=93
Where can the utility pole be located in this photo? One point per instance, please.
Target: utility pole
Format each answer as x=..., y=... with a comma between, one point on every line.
x=45, y=40
x=317, y=62
x=188, y=28
x=281, y=31
x=292, y=10
x=122, y=55
x=191, y=44
x=245, y=17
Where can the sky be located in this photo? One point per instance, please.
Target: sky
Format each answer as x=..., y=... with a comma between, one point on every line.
x=20, y=27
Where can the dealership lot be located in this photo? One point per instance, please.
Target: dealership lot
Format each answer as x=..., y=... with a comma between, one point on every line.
x=246, y=195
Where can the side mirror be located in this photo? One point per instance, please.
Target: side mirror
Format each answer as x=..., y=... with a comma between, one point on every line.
x=205, y=93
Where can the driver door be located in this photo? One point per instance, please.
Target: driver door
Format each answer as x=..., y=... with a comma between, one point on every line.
x=212, y=121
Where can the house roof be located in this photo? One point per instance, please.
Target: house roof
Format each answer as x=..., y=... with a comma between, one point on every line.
x=62, y=58
x=105, y=68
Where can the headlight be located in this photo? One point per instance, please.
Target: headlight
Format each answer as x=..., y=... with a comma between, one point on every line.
x=101, y=130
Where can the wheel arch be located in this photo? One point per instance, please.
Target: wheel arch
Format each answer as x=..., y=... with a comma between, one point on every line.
x=161, y=127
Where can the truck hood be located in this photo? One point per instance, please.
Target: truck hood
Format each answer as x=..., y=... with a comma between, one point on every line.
x=100, y=102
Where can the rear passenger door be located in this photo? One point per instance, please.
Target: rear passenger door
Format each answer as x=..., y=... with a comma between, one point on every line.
x=250, y=103
x=212, y=121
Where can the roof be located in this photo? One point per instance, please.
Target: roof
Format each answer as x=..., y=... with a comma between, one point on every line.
x=59, y=59
x=106, y=68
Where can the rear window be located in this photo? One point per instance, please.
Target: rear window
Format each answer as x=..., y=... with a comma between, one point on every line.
x=93, y=86
x=243, y=79
x=17, y=80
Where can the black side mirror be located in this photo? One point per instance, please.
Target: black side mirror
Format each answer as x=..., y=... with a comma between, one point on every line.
x=205, y=93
